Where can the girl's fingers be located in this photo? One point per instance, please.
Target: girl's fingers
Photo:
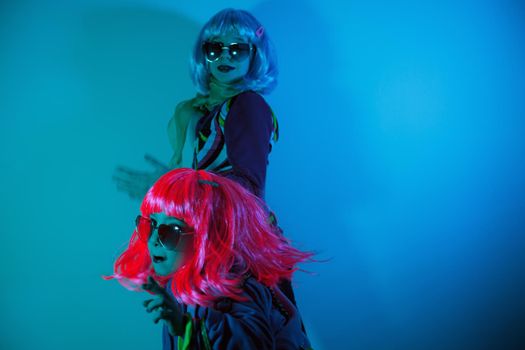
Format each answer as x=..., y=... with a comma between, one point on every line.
x=155, y=288
x=164, y=314
x=156, y=316
x=155, y=304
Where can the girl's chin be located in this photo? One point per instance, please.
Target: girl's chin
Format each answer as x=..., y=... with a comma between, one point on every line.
x=162, y=271
x=228, y=80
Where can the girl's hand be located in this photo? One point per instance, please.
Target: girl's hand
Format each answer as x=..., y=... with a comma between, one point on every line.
x=164, y=307
x=137, y=183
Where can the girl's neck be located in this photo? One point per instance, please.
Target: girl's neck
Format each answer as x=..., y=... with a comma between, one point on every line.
x=219, y=92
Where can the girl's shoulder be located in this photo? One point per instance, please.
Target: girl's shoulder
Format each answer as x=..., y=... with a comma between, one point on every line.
x=187, y=109
x=247, y=102
x=189, y=104
x=249, y=108
x=249, y=98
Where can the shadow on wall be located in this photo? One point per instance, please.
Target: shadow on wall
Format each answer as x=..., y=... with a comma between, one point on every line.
x=135, y=62
x=92, y=87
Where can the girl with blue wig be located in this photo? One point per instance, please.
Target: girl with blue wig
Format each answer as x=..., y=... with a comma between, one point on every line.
x=228, y=127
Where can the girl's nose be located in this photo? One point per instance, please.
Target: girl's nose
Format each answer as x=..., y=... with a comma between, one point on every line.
x=154, y=239
x=226, y=50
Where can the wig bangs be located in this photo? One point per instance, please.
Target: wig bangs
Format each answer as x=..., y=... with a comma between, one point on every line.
x=231, y=22
x=170, y=196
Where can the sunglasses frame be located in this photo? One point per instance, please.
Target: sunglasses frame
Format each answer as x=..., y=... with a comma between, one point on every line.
x=154, y=226
x=226, y=47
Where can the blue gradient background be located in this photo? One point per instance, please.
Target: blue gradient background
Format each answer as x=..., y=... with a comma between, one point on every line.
x=401, y=163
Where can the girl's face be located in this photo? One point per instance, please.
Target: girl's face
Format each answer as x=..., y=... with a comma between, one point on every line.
x=168, y=252
x=226, y=62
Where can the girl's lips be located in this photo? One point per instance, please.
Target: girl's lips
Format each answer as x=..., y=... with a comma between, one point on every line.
x=225, y=68
x=158, y=259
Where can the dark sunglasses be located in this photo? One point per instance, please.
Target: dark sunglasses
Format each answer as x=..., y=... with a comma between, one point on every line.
x=169, y=235
x=238, y=51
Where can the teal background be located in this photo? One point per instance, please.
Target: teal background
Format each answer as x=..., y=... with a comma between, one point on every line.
x=401, y=163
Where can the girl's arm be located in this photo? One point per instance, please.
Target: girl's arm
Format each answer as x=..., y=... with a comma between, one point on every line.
x=178, y=130
x=236, y=324
x=247, y=133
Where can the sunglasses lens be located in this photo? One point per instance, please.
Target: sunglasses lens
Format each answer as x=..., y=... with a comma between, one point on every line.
x=169, y=235
x=212, y=51
x=143, y=227
x=239, y=52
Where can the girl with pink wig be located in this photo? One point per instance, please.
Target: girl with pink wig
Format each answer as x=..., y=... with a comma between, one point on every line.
x=203, y=247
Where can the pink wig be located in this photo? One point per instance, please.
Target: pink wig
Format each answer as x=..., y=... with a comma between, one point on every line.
x=232, y=237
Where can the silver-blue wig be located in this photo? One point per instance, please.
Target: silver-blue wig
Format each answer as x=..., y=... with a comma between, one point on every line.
x=262, y=75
